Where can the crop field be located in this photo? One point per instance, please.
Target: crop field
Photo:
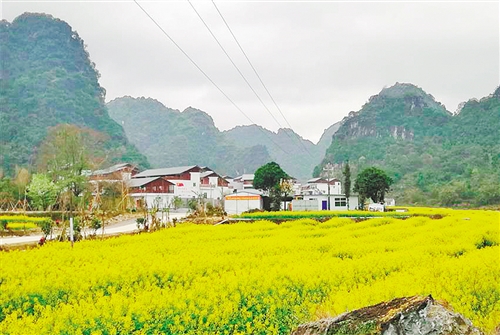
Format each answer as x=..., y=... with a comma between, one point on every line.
x=21, y=222
x=252, y=278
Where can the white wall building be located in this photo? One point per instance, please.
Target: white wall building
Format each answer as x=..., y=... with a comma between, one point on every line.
x=242, y=201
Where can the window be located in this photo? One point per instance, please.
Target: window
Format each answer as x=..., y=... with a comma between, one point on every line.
x=154, y=188
x=340, y=202
x=194, y=184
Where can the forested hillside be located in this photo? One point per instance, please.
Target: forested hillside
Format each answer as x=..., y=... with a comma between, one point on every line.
x=285, y=147
x=46, y=79
x=434, y=157
x=169, y=137
x=172, y=138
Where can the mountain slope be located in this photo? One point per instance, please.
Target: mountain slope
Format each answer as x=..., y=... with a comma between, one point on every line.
x=295, y=155
x=172, y=138
x=47, y=79
x=434, y=157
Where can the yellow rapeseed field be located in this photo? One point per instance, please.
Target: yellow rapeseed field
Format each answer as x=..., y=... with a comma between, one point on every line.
x=251, y=278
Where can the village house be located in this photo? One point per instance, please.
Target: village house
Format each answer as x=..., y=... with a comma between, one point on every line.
x=160, y=186
x=322, y=194
x=118, y=172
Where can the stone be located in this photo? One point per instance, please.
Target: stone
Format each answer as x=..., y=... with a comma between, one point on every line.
x=401, y=316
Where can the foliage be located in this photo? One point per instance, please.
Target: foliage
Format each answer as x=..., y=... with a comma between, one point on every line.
x=42, y=191
x=433, y=157
x=48, y=79
x=346, y=182
x=285, y=146
x=258, y=278
x=268, y=176
x=372, y=183
x=190, y=135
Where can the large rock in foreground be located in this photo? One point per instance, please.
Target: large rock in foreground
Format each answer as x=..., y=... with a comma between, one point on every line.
x=401, y=316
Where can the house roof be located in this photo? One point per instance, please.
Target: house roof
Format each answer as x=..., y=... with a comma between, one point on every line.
x=321, y=180
x=111, y=169
x=138, y=182
x=165, y=171
x=207, y=173
x=247, y=191
x=246, y=176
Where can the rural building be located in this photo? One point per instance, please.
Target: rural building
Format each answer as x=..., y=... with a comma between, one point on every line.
x=242, y=182
x=184, y=182
x=242, y=201
x=118, y=172
x=320, y=186
x=318, y=202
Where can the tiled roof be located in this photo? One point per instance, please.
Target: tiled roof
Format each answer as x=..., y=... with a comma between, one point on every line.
x=164, y=171
x=140, y=181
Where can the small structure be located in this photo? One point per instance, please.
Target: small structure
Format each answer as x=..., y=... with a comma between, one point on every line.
x=243, y=201
x=318, y=202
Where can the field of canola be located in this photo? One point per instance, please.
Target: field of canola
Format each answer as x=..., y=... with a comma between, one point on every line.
x=258, y=278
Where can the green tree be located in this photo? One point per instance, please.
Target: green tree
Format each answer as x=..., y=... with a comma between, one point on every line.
x=372, y=183
x=42, y=191
x=347, y=182
x=268, y=176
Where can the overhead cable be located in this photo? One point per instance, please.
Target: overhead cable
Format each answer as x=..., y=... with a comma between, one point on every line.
x=257, y=74
x=205, y=74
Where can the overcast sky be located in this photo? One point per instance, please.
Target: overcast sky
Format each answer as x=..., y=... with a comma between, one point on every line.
x=320, y=60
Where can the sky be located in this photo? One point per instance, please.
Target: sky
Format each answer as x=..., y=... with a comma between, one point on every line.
x=318, y=59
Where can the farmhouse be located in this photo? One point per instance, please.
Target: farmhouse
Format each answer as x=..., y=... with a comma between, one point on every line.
x=323, y=194
x=118, y=172
x=184, y=182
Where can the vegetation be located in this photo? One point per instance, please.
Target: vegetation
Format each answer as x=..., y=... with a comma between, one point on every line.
x=269, y=178
x=48, y=79
x=372, y=183
x=258, y=278
x=433, y=157
x=284, y=146
x=191, y=137
x=346, y=182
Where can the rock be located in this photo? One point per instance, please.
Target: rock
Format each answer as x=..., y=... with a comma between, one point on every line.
x=401, y=316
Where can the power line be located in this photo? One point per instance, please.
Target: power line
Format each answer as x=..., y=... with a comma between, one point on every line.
x=237, y=69
x=204, y=73
x=257, y=74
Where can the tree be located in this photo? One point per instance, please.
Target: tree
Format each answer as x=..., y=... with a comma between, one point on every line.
x=347, y=182
x=372, y=183
x=286, y=188
x=268, y=176
x=42, y=191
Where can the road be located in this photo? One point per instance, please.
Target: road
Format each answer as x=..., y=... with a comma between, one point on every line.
x=121, y=227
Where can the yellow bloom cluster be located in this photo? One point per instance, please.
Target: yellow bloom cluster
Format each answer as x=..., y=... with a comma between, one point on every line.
x=258, y=278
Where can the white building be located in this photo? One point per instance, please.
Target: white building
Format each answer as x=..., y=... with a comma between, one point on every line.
x=184, y=182
x=243, y=201
x=322, y=186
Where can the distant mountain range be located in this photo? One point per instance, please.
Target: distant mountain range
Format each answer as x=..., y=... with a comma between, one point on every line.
x=169, y=137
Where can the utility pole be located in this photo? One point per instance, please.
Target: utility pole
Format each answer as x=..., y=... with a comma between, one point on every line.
x=328, y=169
